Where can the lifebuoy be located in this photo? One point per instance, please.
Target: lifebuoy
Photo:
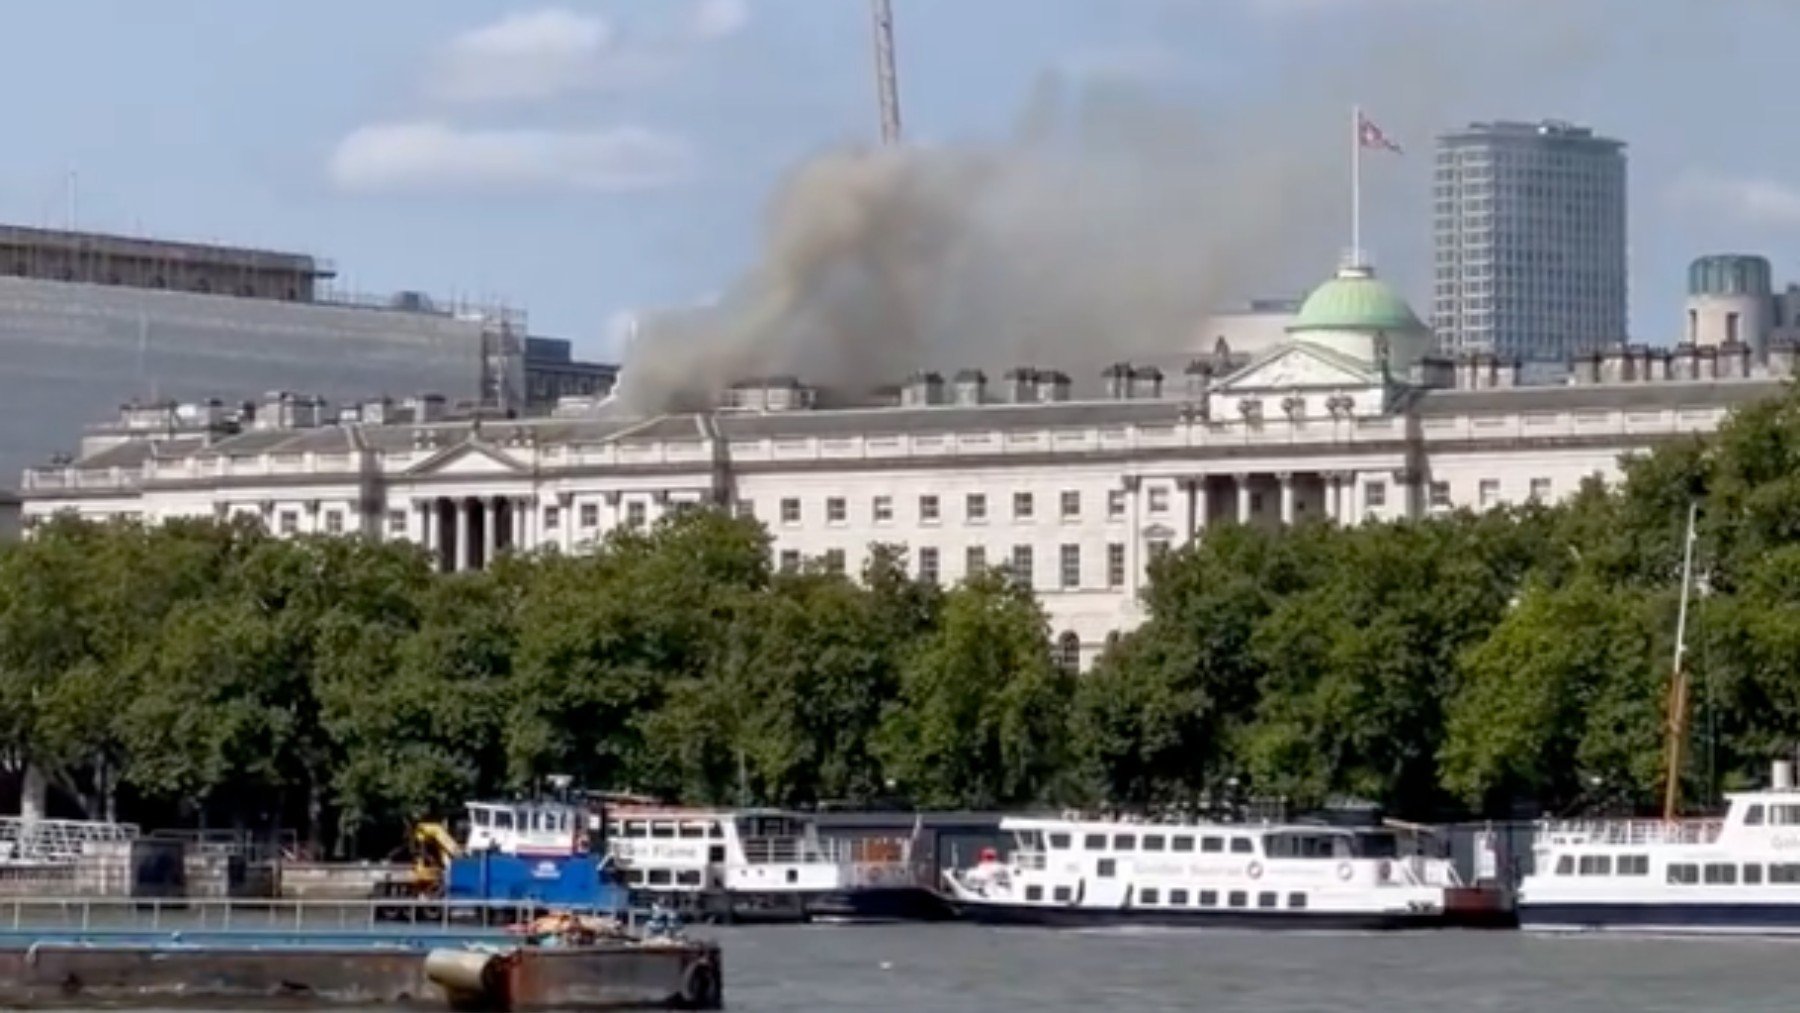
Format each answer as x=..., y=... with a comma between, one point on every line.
x=700, y=986
x=1254, y=870
x=1344, y=871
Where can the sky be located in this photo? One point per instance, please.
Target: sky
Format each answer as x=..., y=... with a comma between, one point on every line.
x=589, y=159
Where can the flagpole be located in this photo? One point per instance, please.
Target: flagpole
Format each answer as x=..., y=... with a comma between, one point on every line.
x=1356, y=186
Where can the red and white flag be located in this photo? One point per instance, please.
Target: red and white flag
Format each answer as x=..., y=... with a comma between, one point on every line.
x=1370, y=136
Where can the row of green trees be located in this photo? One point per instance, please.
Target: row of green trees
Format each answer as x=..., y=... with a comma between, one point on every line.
x=204, y=673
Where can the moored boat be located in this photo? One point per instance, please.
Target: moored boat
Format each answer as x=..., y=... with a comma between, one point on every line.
x=1077, y=872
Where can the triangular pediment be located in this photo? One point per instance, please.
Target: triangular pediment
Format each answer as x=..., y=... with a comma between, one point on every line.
x=471, y=458
x=1297, y=366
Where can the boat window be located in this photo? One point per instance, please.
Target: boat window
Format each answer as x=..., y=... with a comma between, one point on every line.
x=1753, y=875
x=1034, y=892
x=1209, y=898
x=1565, y=866
x=1059, y=842
x=503, y=819
x=1212, y=844
x=1268, y=898
x=1753, y=816
x=1062, y=893
x=1634, y=865
x=716, y=831
x=1149, y=895
x=635, y=877
x=715, y=853
x=1721, y=873
x=1241, y=846
x=1124, y=842
x=1377, y=845
x=1238, y=898
x=1596, y=865
x=1094, y=842
x=636, y=828
x=1784, y=873
x=688, y=877
x=659, y=877
x=1178, y=898
x=1155, y=842
x=1784, y=815
x=692, y=831
x=1684, y=872
x=1181, y=842
x=1306, y=845
x=662, y=830
x=1296, y=900
x=480, y=817
x=1106, y=868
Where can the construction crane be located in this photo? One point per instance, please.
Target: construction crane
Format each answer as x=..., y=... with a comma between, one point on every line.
x=887, y=87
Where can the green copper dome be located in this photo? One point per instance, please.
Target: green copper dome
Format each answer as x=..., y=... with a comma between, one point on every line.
x=1356, y=300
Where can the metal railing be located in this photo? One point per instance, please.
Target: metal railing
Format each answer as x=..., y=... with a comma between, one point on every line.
x=291, y=919
x=1630, y=831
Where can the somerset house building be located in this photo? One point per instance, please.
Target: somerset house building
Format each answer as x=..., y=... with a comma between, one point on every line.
x=1350, y=418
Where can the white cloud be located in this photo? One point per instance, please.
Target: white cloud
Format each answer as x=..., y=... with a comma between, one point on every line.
x=1741, y=199
x=716, y=19
x=527, y=56
x=434, y=156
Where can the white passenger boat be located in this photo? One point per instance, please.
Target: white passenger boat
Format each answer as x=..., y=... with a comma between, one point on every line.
x=763, y=864
x=1072, y=872
x=1737, y=876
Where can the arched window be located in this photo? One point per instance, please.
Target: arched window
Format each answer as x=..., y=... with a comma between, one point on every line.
x=1068, y=652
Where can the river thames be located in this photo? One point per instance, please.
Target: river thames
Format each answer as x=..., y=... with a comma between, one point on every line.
x=949, y=968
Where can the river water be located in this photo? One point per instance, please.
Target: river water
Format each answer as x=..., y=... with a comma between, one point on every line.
x=952, y=968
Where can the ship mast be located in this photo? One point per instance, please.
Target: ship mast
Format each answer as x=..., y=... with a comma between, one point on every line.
x=1678, y=681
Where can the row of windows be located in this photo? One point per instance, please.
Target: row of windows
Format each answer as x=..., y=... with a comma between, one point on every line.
x=975, y=506
x=1604, y=865
x=662, y=877
x=1152, y=897
x=1153, y=842
x=1021, y=564
x=1729, y=874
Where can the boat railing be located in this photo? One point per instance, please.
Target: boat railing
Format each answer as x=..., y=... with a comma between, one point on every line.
x=101, y=918
x=1029, y=859
x=1630, y=832
x=793, y=851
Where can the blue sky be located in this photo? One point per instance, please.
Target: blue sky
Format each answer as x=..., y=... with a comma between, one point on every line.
x=585, y=158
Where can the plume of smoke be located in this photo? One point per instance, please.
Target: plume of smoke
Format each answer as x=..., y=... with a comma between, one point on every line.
x=1108, y=227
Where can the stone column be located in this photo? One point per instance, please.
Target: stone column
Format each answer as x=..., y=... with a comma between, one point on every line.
x=1333, y=499
x=1243, y=497
x=1202, y=505
x=463, y=561
x=1286, y=478
x=565, y=516
x=520, y=542
x=490, y=518
x=426, y=509
x=1134, y=542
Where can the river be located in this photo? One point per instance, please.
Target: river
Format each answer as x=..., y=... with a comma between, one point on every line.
x=951, y=968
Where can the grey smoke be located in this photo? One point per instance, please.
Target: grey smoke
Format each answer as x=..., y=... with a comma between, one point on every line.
x=1109, y=225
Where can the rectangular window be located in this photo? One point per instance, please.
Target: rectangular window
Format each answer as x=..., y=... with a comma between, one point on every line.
x=1159, y=499
x=1241, y=846
x=834, y=560
x=1071, y=566
x=290, y=522
x=1721, y=873
x=1059, y=842
x=835, y=510
x=1268, y=898
x=1034, y=892
x=1071, y=504
x=1753, y=875
x=1374, y=495
x=1115, y=503
x=790, y=560
x=334, y=522
x=1238, y=898
x=636, y=512
x=1209, y=898
x=552, y=518
x=1634, y=865
x=1021, y=564
x=1784, y=873
x=928, y=565
x=1022, y=506
x=590, y=514
x=1296, y=900
x=974, y=560
x=882, y=509
x=1440, y=495
x=1490, y=492
x=1115, y=565
x=1596, y=865
x=746, y=509
x=1094, y=842
x=1212, y=845
x=975, y=508
x=1149, y=895
x=1181, y=842
x=396, y=520
x=790, y=510
x=1124, y=842
x=1540, y=490
x=1106, y=868
x=1687, y=873
x=1155, y=842
x=1178, y=898
x=1064, y=894
x=928, y=509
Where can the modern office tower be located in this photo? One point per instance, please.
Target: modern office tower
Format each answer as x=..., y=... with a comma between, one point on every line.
x=1529, y=228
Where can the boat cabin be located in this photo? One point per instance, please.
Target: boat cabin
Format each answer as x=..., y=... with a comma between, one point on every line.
x=527, y=828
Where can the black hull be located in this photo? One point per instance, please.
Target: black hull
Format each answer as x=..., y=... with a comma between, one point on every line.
x=1047, y=916
x=1664, y=919
x=880, y=904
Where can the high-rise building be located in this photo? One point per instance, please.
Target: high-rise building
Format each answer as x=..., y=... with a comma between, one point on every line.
x=1529, y=223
